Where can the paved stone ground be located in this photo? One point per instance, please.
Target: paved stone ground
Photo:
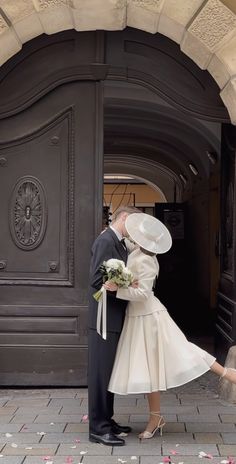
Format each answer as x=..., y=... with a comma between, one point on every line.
x=47, y=426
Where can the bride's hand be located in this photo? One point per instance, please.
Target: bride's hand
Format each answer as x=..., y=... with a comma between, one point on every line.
x=110, y=286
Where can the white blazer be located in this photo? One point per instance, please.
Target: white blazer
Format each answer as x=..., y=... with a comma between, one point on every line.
x=142, y=301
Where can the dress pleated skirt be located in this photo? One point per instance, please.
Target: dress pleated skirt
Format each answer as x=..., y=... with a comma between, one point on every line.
x=153, y=354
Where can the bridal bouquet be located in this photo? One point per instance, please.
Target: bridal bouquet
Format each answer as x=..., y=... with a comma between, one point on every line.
x=115, y=271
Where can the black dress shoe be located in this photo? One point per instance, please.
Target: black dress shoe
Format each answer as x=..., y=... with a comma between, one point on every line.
x=108, y=439
x=117, y=428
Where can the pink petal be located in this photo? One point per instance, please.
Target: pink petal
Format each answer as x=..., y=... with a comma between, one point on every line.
x=167, y=459
x=231, y=460
x=85, y=418
x=47, y=458
x=174, y=452
x=77, y=440
x=69, y=460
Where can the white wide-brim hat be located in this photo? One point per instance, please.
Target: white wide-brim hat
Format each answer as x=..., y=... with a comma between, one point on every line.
x=148, y=232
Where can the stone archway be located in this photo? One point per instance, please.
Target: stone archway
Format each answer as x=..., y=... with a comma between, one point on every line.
x=205, y=30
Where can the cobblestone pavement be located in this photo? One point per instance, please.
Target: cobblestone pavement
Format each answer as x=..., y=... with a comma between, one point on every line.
x=39, y=426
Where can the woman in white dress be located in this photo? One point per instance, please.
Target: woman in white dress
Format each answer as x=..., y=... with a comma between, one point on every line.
x=153, y=354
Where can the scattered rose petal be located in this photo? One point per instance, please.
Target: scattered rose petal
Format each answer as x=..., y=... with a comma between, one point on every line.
x=51, y=423
x=85, y=418
x=29, y=447
x=167, y=459
x=47, y=458
x=133, y=458
x=14, y=445
x=83, y=452
x=8, y=435
x=224, y=461
x=123, y=434
x=173, y=452
x=202, y=454
x=73, y=447
x=177, y=445
x=121, y=460
x=77, y=440
x=231, y=460
x=41, y=433
x=69, y=460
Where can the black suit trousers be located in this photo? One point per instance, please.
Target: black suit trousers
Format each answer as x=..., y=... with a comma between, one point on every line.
x=100, y=363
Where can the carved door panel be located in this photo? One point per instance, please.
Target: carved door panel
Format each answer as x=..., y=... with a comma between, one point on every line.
x=49, y=208
x=226, y=314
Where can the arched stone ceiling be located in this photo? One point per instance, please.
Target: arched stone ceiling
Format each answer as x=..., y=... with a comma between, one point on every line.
x=204, y=29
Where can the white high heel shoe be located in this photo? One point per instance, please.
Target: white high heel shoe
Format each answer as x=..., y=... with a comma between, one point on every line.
x=226, y=369
x=161, y=422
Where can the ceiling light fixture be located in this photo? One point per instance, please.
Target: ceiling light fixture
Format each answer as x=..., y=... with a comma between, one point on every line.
x=193, y=169
x=212, y=156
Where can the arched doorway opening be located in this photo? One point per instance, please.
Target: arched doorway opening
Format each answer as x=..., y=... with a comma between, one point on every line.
x=149, y=139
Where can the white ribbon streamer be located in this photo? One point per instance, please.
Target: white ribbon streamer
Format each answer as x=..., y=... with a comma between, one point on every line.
x=102, y=314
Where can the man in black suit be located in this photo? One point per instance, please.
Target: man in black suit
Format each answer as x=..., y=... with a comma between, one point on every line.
x=109, y=244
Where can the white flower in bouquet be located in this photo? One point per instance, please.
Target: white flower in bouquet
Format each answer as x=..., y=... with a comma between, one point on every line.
x=112, y=264
x=115, y=271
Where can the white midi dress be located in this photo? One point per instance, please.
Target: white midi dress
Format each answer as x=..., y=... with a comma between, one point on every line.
x=153, y=353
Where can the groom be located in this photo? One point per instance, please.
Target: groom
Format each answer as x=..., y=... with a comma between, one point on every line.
x=109, y=244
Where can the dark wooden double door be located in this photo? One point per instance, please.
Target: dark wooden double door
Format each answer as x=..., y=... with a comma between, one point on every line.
x=50, y=190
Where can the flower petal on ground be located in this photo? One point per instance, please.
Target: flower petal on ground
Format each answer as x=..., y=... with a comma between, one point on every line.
x=230, y=460
x=69, y=460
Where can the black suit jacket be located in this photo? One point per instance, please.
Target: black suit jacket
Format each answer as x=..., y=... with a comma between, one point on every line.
x=105, y=247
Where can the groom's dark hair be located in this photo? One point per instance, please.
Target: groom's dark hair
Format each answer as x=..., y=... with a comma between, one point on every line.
x=124, y=209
